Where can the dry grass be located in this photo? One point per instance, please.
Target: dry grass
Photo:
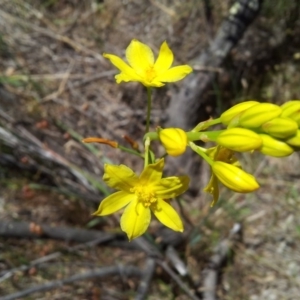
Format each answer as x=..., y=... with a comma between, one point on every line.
x=52, y=66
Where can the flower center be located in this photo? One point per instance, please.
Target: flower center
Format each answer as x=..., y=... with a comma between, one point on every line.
x=150, y=74
x=144, y=195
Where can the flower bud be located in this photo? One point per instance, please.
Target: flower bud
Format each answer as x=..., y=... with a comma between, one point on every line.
x=275, y=147
x=239, y=139
x=259, y=114
x=290, y=107
x=281, y=127
x=174, y=140
x=234, y=178
x=296, y=117
x=235, y=110
x=294, y=141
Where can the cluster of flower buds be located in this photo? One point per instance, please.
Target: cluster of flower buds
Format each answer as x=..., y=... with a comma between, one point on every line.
x=250, y=126
x=268, y=128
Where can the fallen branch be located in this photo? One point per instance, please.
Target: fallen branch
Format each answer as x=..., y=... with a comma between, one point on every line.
x=217, y=262
x=185, y=106
x=9, y=273
x=144, y=285
x=33, y=230
x=177, y=279
x=98, y=273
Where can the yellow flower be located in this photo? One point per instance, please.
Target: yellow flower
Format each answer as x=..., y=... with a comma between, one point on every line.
x=141, y=195
x=174, y=140
x=142, y=67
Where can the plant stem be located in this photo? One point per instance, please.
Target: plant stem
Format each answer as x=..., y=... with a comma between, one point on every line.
x=128, y=150
x=149, y=102
x=199, y=151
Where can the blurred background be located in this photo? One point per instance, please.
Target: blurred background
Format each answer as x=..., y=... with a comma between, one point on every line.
x=56, y=88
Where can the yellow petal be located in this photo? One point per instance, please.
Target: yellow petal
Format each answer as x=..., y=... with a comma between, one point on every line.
x=167, y=215
x=139, y=56
x=174, y=74
x=128, y=74
x=213, y=188
x=113, y=203
x=152, y=173
x=119, y=177
x=164, y=59
x=135, y=219
x=171, y=187
x=153, y=83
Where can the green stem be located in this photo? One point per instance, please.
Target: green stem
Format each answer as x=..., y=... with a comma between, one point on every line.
x=131, y=151
x=205, y=136
x=146, y=157
x=204, y=125
x=149, y=102
x=201, y=152
x=151, y=135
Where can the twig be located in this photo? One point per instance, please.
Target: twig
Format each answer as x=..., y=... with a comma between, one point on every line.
x=177, y=279
x=9, y=273
x=75, y=45
x=144, y=285
x=176, y=261
x=100, y=272
x=217, y=261
x=32, y=230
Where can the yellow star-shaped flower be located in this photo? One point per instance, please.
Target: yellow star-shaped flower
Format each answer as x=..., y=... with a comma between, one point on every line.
x=144, y=69
x=141, y=195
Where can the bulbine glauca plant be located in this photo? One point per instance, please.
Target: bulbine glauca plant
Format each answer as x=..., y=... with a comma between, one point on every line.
x=248, y=126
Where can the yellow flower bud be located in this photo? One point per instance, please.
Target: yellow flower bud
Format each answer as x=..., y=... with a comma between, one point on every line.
x=259, y=114
x=239, y=139
x=275, y=147
x=235, y=110
x=290, y=107
x=280, y=127
x=294, y=140
x=174, y=140
x=296, y=117
x=234, y=178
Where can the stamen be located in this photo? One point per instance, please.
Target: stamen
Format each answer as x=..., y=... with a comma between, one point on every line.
x=144, y=195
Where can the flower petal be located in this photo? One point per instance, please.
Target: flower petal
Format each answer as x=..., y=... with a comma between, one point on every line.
x=113, y=203
x=164, y=59
x=119, y=177
x=128, y=74
x=153, y=83
x=135, y=219
x=139, y=56
x=152, y=173
x=171, y=187
x=213, y=188
x=167, y=215
x=174, y=74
